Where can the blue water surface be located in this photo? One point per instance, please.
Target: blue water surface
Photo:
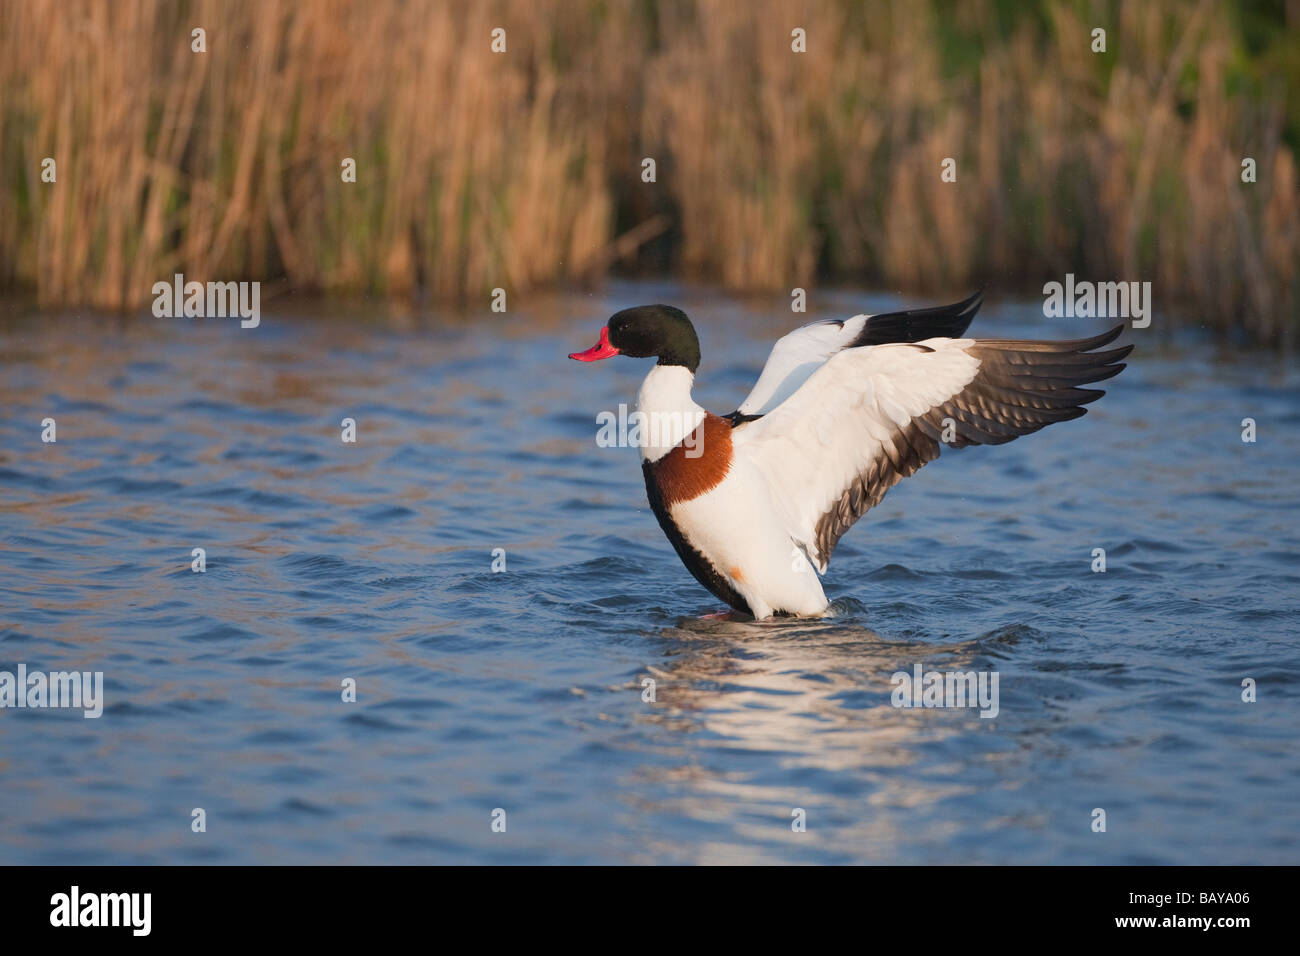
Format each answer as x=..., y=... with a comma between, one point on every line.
x=522, y=689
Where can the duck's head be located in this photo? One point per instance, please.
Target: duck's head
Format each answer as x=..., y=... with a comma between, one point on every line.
x=647, y=330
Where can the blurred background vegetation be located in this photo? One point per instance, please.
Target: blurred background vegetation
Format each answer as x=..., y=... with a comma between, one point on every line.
x=774, y=169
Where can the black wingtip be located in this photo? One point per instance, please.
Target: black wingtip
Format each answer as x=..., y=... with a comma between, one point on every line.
x=1068, y=346
x=1105, y=338
x=1085, y=345
x=1103, y=372
x=1110, y=335
x=973, y=303
x=914, y=325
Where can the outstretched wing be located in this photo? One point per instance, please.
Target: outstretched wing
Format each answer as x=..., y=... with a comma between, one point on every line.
x=870, y=417
x=800, y=353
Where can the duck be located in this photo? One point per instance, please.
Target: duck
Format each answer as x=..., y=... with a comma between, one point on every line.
x=755, y=501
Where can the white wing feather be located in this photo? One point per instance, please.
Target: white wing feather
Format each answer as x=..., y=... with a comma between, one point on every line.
x=795, y=357
x=815, y=442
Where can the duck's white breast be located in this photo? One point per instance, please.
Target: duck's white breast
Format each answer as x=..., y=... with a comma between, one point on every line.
x=734, y=525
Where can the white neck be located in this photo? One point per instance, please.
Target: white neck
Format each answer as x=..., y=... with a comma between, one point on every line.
x=667, y=412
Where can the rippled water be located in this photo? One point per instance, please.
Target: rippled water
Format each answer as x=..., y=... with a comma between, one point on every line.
x=522, y=690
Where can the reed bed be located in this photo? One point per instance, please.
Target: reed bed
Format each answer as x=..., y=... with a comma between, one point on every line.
x=774, y=169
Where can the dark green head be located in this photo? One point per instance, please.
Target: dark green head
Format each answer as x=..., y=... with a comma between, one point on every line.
x=644, y=331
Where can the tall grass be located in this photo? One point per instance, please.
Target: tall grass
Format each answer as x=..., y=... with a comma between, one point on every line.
x=774, y=169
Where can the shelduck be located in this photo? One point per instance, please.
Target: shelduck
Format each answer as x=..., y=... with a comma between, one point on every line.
x=755, y=501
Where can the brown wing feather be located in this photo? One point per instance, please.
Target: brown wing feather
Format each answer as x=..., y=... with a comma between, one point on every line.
x=1021, y=386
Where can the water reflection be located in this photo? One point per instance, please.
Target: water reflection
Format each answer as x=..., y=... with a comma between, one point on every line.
x=813, y=701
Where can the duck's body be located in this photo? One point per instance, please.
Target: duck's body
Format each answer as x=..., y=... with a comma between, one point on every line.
x=717, y=510
x=755, y=501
